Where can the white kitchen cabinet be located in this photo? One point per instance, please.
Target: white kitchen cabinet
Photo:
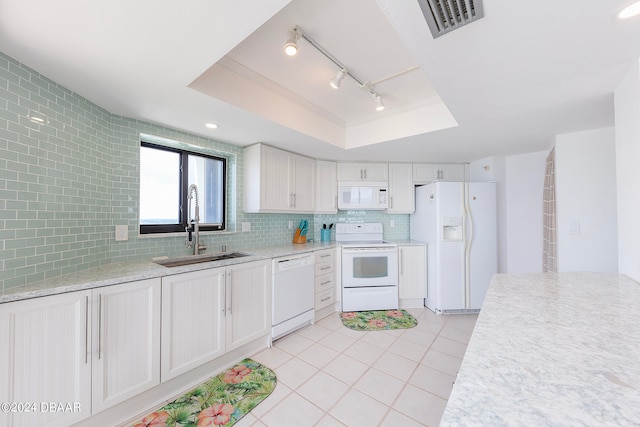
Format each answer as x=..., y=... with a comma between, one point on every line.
x=325, y=282
x=90, y=349
x=412, y=271
x=302, y=181
x=363, y=172
x=248, y=302
x=193, y=307
x=401, y=189
x=46, y=357
x=425, y=173
x=277, y=181
x=126, y=345
x=326, y=187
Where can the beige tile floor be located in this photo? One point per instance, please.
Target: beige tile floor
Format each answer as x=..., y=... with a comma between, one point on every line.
x=329, y=375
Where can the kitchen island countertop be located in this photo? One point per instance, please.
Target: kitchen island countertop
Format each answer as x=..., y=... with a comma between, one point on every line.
x=552, y=349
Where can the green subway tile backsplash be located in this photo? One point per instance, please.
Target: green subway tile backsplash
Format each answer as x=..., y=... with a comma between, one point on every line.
x=65, y=185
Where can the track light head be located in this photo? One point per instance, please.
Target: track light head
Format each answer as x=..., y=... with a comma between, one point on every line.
x=335, y=82
x=291, y=46
x=379, y=104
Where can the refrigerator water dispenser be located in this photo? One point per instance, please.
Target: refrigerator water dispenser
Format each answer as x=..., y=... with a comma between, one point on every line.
x=452, y=229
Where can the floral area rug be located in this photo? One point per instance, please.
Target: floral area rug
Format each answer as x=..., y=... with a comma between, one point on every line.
x=221, y=401
x=378, y=320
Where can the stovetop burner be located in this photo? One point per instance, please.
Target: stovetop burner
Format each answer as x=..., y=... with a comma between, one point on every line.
x=369, y=234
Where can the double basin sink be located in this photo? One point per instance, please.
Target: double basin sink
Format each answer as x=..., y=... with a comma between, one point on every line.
x=197, y=259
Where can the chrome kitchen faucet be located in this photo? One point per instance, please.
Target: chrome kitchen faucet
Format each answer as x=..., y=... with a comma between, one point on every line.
x=194, y=225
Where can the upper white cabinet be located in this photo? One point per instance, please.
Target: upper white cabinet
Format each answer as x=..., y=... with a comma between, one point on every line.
x=302, y=178
x=193, y=307
x=363, y=172
x=401, y=189
x=326, y=187
x=425, y=173
x=126, y=356
x=277, y=181
x=46, y=357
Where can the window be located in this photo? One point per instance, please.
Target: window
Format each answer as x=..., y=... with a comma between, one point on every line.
x=165, y=176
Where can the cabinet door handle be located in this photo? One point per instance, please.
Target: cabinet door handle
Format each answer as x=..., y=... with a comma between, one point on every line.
x=295, y=200
x=400, y=262
x=86, y=330
x=365, y=174
x=391, y=202
x=224, y=296
x=229, y=294
x=99, y=326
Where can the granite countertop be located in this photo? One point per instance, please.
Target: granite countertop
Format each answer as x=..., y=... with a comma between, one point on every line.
x=552, y=349
x=117, y=273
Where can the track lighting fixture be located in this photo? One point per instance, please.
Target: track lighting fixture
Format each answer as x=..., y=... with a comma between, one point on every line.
x=379, y=104
x=335, y=82
x=291, y=46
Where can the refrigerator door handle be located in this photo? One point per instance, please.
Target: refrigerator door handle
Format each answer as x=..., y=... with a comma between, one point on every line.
x=467, y=248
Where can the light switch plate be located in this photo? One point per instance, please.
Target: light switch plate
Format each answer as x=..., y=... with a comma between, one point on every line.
x=246, y=226
x=122, y=233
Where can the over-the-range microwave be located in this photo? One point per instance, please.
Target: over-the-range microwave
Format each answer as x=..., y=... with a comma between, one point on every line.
x=361, y=195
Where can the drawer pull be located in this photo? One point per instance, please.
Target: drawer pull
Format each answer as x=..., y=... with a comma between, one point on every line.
x=325, y=299
x=325, y=268
x=325, y=283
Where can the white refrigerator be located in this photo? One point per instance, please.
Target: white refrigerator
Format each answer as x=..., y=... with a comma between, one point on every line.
x=457, y=220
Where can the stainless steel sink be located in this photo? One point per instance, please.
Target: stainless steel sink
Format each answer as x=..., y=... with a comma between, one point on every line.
x=178, y=262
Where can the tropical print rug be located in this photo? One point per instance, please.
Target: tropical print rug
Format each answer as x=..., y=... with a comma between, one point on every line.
x=378, y=320
x=221, y=401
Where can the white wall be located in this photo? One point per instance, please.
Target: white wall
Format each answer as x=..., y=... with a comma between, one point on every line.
x=586, y=201
x=524, y=187
x=519, y=184
x=627, y=117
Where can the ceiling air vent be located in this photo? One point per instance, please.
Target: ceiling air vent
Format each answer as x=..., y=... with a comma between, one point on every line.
x=444, y=16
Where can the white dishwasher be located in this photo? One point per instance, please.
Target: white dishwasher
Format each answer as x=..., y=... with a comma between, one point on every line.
x=293, y=293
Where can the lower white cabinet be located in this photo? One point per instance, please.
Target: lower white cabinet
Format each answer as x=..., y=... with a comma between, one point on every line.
x=248, y=296
x=325, y=282
x=210, y=312
x=84, y=350
x=126, y=350
x=412, y=260
x=193, y=306
x=46, y=357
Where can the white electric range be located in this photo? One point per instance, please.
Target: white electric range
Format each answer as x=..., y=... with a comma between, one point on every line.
x=369, y=267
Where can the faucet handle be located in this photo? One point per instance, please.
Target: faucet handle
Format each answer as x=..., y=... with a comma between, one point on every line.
x=189, y=241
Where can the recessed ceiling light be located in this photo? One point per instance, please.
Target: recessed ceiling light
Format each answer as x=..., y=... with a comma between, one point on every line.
x=212, y=126
x=630, y=11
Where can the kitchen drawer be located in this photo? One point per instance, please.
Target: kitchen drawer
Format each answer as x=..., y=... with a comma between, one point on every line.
x=324, y=282
x=323, y=268
x=325, y=298
x=324, y=256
